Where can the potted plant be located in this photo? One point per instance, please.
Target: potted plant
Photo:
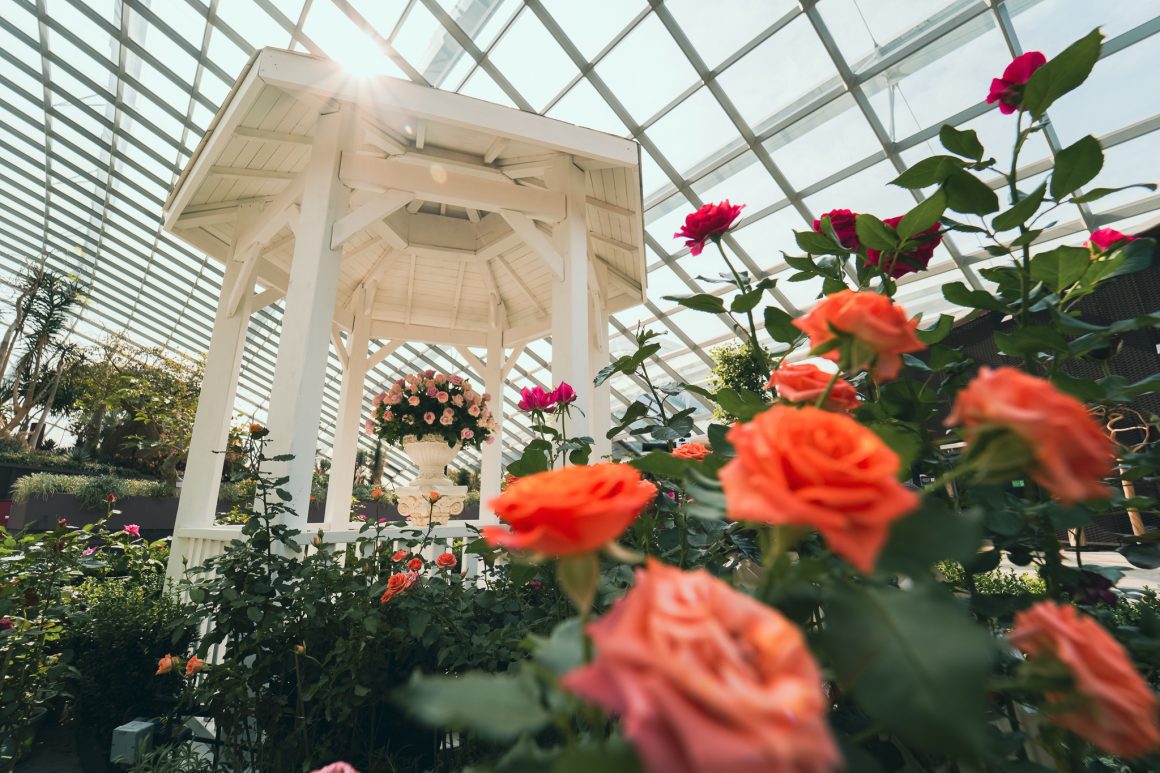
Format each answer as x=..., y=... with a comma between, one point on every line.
x=431, y=416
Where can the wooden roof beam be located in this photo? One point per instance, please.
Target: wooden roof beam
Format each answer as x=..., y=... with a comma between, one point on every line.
x=536, y=240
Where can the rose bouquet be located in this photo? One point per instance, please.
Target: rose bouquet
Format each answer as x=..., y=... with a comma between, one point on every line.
x=430, y=404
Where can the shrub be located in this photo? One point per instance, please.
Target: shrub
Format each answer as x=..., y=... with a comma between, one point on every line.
x=92, y=491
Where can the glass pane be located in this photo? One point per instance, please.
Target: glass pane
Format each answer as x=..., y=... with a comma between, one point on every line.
x=646, y=70
x=718, y=31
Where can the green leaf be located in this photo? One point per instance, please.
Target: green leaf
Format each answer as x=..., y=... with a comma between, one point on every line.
x=967, y=193
x=699, y=302
x=933, y=533
x=962, y=142
x=1076, y=166
x=1060, y=268
x=929, y=171
x=1099, y=193
x=612, y=756
x=662, y=464
x=500, y=707
x=254, y=614
x=741, y=403
x=933, y=335
x=534, y=459
x=925, y=214
x=914, y=660
x=1144, y=556
x=706, y=495
x=1131, y=257
x=902, y=439
x=1021, y=212
x=958, y=294
x=817, y=244
x=717, y=440
x=563, y=650
x=744, y=302
x=1030, y=340
x=1062, y=74
x=579, y=576
x=779, y=324
x=1083, y=388
x=875, y=234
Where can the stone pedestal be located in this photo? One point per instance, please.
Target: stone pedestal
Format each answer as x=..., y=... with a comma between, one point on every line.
x=415, y=503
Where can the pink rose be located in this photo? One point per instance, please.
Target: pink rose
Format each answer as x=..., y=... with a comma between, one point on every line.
x=1008, y=90
x=536, y=399
x=473, y=410
x=132, y=529
x=486, y=396
x=429, y=373
x=380, y=398
x=457, y=400
x=470, y=395
x=369, y=426
x=441, y=379
x=432, y=391
x=564, y=394
x=909, y=262
x=394, y=399
x=446, y=420
x=336, y=767
x=708, y=222
x=466, y=434
x=705, y=678
x=1105, y=239
x=457, y=380
x=843, y=223
x=429, y=417
x=413, y=400
x=88, y=551
x=441, y=396
x=388, y=416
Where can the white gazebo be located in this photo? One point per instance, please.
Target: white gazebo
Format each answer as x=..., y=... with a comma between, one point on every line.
x=383, y=212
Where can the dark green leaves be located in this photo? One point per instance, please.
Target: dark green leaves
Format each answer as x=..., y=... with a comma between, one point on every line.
x=958, y=294
x=875, y=234
x=932, y=335
x=914, y=660
x=1076, y=166
x=933, y=533
x=497, y=706
x=1023, y=209
x=1099, y=193
x=662, y=464
x=923, y=216
x=534, y=459
x=699, y=302
x=817, y=244
x=1062, y=74
x=967, y=193
x=961, y=142
x=779, y=325
x=1060, y=268
x=929, y=171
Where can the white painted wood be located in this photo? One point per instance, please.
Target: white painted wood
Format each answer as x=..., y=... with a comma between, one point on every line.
x=245, y=284
x=382, y=353
x=359, y=218
x=537, y=240
x=598, y=357
x=347, y=425
x=473, y=215
x=203, y=468
x=491, y=454
x=428, y=334
x=339, y=346
x=384, y=141
x=303, y=347
x=511, y=360
x=494, y=149
x=615, y=243
x=420, y=133
x=448, y=184
x=610, y=208
x=570, y=333
x=472, y=360
x=265, y=298
x=268, y=136
x=247, y=173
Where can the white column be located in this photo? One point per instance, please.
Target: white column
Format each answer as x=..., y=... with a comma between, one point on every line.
x=211, y=424
x=570, y=297
x=598, y=358
x=304, y=345
x=491, y=462
x=347, y=426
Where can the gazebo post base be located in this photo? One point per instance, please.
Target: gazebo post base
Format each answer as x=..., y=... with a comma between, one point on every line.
x=415, y=503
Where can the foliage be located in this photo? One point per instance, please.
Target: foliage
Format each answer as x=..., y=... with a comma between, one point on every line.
x=430, y=404
x=65, y=461
x=736, y=366
x=91, y=490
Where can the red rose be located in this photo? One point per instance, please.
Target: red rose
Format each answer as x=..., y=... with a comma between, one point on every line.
x=5, y=623
x=1105, y=239
x=446, y=561
x=415, y=564
x=913, y=261
x=843, y=222
x=536, y=399
x=1008, y=90
x=707, y=222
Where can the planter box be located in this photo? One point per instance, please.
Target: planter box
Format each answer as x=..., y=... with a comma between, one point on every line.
x=156, y=515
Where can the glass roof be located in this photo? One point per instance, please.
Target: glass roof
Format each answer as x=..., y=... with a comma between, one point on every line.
x=790, y=108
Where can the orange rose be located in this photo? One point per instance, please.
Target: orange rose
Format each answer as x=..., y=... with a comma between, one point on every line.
x=571, y=510
x=1071, y=454
x=168, y=664
x=397, y=584
x=399, y=555
x=706, y=678
x=193, y=665
x=694, y=451
x=415, y=564
x=434, y=496
x=809, y=467
x=1119, y=711
x=805, y=383
x=879, y=330
x=446, y=561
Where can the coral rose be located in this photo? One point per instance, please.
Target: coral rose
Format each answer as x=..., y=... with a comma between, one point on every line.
x=844, y=222
x=415, y=564
x=694, y=451
x=399, y=555
x=1118, y=709
x=706, y=678
x=805, y=382
x=571, y=510
x=1071, y=453
x=193, y=665
x=397, y=584
x=708, y=222
x=446, y=561
x=878, y=329
x=809, y=467
x=908, y=262
x=1008, y=90
x=1105, y=239
x=336, y=767
x=168, y=664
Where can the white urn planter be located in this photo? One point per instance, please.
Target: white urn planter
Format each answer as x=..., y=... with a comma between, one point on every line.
x=431, y=456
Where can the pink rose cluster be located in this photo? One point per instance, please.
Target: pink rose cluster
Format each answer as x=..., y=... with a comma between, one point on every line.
x=426, y=404
x=539, y=400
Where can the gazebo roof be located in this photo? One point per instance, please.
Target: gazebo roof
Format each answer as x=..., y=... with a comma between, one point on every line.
x=451, y=209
